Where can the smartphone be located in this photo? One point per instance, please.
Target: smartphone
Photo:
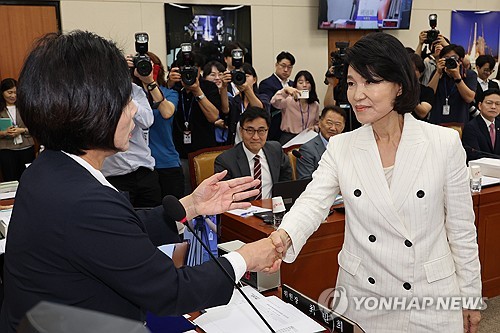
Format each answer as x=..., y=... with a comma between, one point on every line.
x=267, y=217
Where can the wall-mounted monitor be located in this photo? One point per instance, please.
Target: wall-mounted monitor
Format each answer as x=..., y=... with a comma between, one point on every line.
x=206, y=23
x=364, y=14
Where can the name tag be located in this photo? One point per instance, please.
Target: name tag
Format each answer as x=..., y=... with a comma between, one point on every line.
x=187, y=137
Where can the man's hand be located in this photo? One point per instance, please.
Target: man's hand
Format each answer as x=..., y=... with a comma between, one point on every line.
x=471, y=320
x=261, y=256
x=173, y=77
x=422, y=37
x=226, y=78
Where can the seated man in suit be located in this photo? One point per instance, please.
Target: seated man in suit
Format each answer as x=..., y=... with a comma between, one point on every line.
x=331, y=122
x=254, y=156
x=481, y=135
x=277, y=81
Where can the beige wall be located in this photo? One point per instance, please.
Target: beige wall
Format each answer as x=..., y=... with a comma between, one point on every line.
x=276, y=25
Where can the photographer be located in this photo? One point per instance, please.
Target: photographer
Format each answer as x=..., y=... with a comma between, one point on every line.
x=198, y=109
x=430, y=60
x=132, y=171
x=454, y=87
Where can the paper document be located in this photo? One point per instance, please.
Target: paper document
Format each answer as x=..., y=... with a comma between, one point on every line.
x=249, y=211
x=301, y=138
x=489, y=181
x=168, y=249
x=239, y=316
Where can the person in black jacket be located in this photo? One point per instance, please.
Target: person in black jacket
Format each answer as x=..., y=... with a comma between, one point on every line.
x=481, y=135
x=73, y=238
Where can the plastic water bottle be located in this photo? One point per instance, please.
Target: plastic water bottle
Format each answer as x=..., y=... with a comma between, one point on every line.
x=475, y=179
x=278, y=211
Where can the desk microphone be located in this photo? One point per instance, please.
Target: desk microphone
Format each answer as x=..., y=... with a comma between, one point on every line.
x=297, y=153
x=485, y=153
x=174, y=210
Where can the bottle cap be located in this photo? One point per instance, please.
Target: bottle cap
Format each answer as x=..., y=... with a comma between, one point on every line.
x=475, y=171
x=278, y=205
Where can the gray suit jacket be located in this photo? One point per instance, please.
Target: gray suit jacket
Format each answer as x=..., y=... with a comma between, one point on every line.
x=311, y=152
x=235, y=162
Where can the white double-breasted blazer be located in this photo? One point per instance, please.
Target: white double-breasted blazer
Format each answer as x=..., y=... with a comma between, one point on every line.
x=413, y=239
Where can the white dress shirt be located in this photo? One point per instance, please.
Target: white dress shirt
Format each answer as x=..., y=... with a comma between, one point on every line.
x=267, y=180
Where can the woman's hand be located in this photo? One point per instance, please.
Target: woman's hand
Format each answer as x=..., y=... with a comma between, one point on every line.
x=295, y=93
x=215, y=196
x=471, y=320
x=281, y=241
x=15, y=131
x=173, y=77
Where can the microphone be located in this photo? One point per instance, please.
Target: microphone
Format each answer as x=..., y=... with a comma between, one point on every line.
x=175, y=210
x=485, y=153
x=296, y=153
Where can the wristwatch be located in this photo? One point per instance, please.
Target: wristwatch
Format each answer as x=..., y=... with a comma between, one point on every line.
x=457, y=81
x=199, y=98
x=151, y=86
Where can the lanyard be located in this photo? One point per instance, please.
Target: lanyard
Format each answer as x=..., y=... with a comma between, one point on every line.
x=453, y=89
x=186, y=113
x=304, y=125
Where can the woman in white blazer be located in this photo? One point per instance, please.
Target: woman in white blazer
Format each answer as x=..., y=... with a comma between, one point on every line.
x=409, y=229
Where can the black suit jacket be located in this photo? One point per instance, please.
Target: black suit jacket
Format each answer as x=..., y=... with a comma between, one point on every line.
x=235, y=162
x=476, y=139
x=74, y=241
x=479, y=90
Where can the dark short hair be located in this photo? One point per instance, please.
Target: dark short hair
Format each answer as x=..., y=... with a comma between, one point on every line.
x=458, y=49
x=285, y=55
x=382, y=56
x=313, y=95
x=485, y=59
x=418, y=62
x=254, y=112
x=5, y=85
x=232, y=46
x=72, y=91
x=335, y=109
x=492, y=91
x=207, y=69
x=248, y=69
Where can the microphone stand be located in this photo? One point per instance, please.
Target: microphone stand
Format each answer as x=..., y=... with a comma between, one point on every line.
x=229, y=276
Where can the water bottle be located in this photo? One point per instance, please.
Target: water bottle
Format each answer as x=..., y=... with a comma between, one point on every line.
x=475, y=179
x=278, y=211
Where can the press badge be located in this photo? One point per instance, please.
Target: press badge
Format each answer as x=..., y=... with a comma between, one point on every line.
x=18, y=140
x=446, y=108
x=187, y=137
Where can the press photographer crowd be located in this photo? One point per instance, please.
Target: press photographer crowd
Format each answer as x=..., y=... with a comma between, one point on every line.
x=117, y=132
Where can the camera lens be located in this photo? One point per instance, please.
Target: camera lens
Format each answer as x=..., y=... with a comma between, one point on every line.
x=450, y=63
x=238, y=77
x=144, y=68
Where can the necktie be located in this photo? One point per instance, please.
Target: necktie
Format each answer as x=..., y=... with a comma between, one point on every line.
x=492, y=134
x=257, y=174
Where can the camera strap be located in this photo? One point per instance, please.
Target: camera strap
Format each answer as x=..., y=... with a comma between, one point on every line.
x=186, y=113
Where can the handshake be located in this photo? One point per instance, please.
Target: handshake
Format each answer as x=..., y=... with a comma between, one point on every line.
x=265, y=255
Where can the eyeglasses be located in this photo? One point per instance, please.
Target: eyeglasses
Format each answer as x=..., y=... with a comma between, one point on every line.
x=251, y=131
x=490, y=103
x=286, y=67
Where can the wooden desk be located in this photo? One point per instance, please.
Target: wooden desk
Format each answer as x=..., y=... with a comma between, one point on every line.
x=316, y=267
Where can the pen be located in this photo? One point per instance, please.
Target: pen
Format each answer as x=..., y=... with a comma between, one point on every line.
x=248, y=213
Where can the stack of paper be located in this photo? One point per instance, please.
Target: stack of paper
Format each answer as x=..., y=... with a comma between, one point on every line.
x=239, y=316
x=249, y=211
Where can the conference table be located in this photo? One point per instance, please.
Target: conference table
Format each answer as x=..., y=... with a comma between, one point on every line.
x=316, y=267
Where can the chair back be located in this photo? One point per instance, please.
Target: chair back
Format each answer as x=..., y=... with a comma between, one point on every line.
x=456, y=126
x=201, y=163
x=293, y=159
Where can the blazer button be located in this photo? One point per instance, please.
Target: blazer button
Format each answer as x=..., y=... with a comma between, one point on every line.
x=371, y=280
x=420, y=194
x=408, y=243
x=407, y=286
x=372, y=238
x=357, y=192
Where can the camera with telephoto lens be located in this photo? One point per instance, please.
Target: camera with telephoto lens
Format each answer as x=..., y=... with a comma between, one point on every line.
x=451, y=62
x=337, y=61
x=238, y=77
x=188, y=70
x=141, y=60
x=433, y=34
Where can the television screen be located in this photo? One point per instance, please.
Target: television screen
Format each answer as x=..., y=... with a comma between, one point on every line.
x=364, y=14
x=197, y=24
